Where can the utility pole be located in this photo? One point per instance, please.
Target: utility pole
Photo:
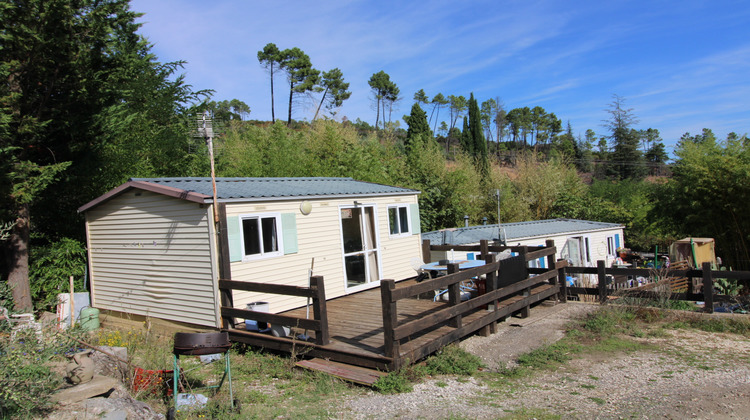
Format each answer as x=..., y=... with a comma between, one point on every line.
x=206, y=130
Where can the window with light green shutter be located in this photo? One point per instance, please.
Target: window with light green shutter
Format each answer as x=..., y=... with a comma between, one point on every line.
x=416, y=228
x=256, y=236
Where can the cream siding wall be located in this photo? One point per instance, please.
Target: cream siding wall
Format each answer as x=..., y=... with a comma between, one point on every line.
x=151, y=255
x=319, y=238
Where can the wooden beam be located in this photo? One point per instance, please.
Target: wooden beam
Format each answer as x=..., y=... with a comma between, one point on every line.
x=225, y=267
x=277, y=289
x=708, y=288
x=320, y=311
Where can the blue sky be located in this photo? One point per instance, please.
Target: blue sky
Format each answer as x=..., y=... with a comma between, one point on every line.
x=681, y=66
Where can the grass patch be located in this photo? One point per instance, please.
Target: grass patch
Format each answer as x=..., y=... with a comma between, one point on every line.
x=530, y=413
x=597, y=400
x=451, y=360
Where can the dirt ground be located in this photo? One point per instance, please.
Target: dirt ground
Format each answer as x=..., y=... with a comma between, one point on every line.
x=690, y=374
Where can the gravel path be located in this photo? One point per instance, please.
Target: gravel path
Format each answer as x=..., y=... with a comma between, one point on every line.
x=692, y=375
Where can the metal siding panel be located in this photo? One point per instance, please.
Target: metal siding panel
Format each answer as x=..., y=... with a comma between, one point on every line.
x=153, y=263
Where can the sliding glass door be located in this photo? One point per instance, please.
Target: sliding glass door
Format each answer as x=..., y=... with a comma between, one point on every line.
x=360, y=239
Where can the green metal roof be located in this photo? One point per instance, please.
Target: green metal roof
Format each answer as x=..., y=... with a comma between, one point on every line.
x=255, y=189
x=514, y=231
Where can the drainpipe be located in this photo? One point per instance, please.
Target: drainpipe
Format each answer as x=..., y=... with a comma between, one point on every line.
x=466, y=221
x=484, y=221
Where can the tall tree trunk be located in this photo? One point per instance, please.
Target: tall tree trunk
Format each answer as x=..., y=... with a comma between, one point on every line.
x=320, y=104
x=377, y=115
x=273, y=116
x=18, y=260
x=437, y=117
x=291, y=92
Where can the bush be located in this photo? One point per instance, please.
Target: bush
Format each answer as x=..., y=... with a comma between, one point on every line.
x=26, y=379
x=52, y=266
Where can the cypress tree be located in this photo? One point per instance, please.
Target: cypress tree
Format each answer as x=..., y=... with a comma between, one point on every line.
x=418, y=125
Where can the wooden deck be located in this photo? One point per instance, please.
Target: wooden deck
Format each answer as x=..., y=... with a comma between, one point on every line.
x=390, y=326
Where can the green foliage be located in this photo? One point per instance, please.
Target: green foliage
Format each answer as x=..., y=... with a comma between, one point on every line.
x=709, y=194
x=26, y=379
x=393, y=383
x=419, y=128
x=453, y=360
x=334, y=90
x=728, y=287
x=50, y=268
x=547, y=357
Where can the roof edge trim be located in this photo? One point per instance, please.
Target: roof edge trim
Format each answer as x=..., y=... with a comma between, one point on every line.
x=146, y=186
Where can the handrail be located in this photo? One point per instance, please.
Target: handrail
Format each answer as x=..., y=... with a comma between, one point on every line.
x=316, y=292
x=394, y=331
x=705, y=273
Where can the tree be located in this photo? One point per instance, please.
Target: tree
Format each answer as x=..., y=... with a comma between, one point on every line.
x=380, y=83
x=438, y=101
x=626, y=159
x=227, y=110
x=419, y=128
x=711, y=190
x=390, y=99
x=270, y=58
x=334, y=90
x=420, y=97
x=457, y=108
x=489, y=112
x=302, y=77
x=74, y=73
x=473, y=137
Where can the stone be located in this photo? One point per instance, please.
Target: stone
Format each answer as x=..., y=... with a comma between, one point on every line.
x=99, y=385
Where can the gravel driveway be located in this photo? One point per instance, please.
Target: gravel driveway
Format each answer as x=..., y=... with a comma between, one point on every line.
x=693, y=374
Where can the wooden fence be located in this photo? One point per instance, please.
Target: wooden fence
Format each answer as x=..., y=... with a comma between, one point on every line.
x=316, y=292
x=604, y=290
x=477, y=313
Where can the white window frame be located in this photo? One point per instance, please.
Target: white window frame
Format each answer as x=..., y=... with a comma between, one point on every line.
x=611, y=246
x=279, y=236
x=400, y=233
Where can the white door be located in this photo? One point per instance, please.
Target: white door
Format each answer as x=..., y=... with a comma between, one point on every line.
x=359, y=234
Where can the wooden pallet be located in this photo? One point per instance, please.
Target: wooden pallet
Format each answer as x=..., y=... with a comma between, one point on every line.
x=356, y=374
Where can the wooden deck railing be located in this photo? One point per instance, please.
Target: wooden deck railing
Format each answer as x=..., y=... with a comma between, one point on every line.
x=397, y=333
x=316, y=292
x=707, y=295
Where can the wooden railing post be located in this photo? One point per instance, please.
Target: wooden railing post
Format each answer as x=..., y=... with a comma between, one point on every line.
x=526, y=310
x=708, y=288
x=426, y=253
x=490, y=284
x=600, y=267
x=454, y=295
x=549, y=243
x=563, y=279
x=390, y=318
x=484, y=249
x=320, y=310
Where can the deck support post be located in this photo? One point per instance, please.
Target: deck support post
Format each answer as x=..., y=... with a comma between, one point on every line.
x=563, y=279
x=390, y=318
x=320, y=311
x=526, y=310
x=426, y=253
x=490, y=284
x=708, y=288
x=484, y=249
x=454, y=296
x=550, y=244
x=602, y=279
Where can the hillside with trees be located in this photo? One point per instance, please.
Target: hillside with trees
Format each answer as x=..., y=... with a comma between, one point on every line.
x=94, y=107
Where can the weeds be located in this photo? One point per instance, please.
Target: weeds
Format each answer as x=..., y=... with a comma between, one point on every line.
x=26, y=378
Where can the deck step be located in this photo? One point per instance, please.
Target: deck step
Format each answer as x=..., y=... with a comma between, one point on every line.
x=356, y=374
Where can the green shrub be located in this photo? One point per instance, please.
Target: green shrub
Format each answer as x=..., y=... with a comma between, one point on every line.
x=50, y=270
x=393, y=383
x=26, y=379
x=453, y=360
